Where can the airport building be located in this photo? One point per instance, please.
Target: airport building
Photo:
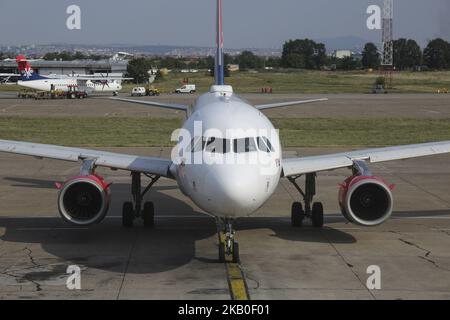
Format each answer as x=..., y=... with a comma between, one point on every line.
x=44, y=67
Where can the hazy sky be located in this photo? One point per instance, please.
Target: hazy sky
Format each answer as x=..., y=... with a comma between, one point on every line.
x=247, y=23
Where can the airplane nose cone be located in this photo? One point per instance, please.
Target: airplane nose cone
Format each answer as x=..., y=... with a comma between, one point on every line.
x=234, y=192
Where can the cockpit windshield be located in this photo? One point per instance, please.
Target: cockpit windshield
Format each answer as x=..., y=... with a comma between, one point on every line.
x=244, y=145
x=223, y=146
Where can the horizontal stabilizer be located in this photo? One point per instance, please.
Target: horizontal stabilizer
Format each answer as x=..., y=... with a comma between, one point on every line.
x=288, y=103
x=155, y=104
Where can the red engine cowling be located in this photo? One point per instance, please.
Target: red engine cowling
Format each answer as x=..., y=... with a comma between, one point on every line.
x=365, y=200
x=84, y=200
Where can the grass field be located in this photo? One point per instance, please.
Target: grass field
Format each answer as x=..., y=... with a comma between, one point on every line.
x=304, y=81
x=315, y=132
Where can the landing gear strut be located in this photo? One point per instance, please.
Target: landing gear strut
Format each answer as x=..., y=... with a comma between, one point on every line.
x=133, y=210
x=228, y=246
x=313, y=211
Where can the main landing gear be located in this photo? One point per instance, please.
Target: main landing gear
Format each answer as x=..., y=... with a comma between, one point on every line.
x=313, y=211
x=133, y=210
x=228, y=246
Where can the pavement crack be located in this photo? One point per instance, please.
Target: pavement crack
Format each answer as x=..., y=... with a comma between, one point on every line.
x=35, y=264
x=125, y=271
x=426, y=256
x=412, y=244
x=30, y=256
x=349, y=265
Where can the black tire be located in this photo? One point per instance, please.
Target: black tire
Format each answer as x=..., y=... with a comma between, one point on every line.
x=297, y=214
x=127, y=215
x=221, y=252
x=148, y=215
x=317, y=215
x=236, y=258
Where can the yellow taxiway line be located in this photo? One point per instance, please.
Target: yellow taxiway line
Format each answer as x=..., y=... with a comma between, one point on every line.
x=235, y=277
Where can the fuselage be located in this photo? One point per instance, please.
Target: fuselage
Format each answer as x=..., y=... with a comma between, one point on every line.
x=234, y=161
x=65, y=84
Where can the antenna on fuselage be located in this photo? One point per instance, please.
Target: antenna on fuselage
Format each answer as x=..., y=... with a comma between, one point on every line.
x=219, y=68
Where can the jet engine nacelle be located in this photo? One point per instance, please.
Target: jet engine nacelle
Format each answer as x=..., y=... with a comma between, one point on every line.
x=84, y=200
x=365, y=200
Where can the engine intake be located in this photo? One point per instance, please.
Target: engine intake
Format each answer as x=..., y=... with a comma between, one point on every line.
x=84, y=200
x=366, y=200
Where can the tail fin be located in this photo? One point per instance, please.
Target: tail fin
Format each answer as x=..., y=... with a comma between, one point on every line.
x=27, y=73
x=219, y=69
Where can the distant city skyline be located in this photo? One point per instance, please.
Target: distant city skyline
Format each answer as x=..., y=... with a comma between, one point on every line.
x=248, y=24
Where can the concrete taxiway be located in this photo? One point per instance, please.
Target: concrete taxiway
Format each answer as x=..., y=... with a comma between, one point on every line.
x=346, y=106
x=178, y=258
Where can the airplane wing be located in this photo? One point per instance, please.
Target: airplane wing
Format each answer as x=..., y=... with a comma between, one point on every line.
x=286, y=104
x=299, y=166
x=157, y=166
x=97, y=77
x=155, y=104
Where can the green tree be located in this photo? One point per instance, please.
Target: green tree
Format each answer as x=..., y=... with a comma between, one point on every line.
x=248, y=60
x=349, y=63
x=294, y=60
x=371, y=57
x=138, y=69
x=437, y=54
x=303, y=54
x=273, y=62
x=407, y=54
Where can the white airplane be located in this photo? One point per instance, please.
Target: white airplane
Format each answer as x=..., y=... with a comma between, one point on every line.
x=223, y=188
x=5, y=77
x=86, y=83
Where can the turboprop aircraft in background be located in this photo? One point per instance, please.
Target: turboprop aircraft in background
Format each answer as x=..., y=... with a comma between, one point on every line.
x=87, y=83
x=223, y=179
x=5, y=77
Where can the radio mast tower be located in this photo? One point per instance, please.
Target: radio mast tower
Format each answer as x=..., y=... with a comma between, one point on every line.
x=387, y=62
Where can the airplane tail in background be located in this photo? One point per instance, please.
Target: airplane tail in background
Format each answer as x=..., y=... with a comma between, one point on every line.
x=27, y=73
x=219, y=68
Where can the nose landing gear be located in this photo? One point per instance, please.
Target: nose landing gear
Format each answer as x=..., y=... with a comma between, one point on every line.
x=228, y=246
x=313, y=211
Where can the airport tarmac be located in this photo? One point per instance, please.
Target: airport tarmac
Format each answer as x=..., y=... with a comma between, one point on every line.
x=344, y=106
x=178, y=258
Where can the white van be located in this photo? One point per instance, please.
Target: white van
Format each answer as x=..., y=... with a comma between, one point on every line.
x=188, y=88
x=138, y=91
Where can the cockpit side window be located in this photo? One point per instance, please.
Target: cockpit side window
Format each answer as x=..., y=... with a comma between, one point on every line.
x=264, y=144
x=197, y=144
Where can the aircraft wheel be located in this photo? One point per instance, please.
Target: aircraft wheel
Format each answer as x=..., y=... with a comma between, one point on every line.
x=236, y=258
x=221, y=252
x=317, y=215
x=127, y=215
x=148, y=215
x=297, y=214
